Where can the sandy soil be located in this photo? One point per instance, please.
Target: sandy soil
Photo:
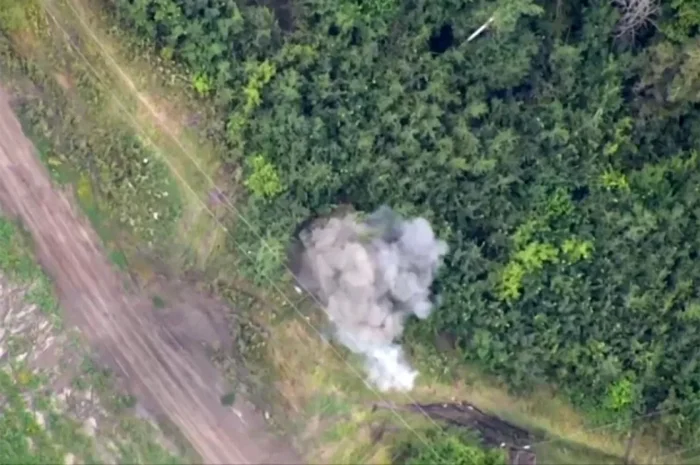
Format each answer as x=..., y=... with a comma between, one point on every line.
x=169, y=375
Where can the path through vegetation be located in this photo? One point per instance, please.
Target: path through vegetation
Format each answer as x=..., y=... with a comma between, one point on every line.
x=168, y=375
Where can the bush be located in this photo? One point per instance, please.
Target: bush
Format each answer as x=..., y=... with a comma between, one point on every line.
x=445, y=447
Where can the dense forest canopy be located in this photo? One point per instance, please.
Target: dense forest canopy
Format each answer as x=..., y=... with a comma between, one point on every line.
x=556, y=153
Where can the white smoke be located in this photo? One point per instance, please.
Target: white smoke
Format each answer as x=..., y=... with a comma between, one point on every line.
x=371, y=275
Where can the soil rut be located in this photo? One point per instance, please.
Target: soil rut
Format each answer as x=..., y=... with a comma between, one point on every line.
x=165, y=374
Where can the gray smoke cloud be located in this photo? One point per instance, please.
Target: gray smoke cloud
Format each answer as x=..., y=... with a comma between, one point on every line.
x=370, y=276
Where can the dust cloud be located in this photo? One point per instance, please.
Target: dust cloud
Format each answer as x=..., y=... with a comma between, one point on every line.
x=371, y=274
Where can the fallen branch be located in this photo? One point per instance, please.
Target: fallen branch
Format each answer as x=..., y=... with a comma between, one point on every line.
x=635, y=15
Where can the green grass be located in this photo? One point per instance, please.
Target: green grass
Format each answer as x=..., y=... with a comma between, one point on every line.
x=141, y=448
x=18, y=265
x=100, y=380
x=135, y=439
x=118, y=257
x=65, y=175
x=23, y=440
x=120, y=183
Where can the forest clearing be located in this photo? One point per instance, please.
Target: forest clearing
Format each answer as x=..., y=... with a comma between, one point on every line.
x=554, y=154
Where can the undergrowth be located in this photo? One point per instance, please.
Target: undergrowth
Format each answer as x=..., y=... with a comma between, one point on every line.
x=443, y=448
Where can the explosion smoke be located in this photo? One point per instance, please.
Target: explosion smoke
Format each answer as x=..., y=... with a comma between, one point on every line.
x=371, y=276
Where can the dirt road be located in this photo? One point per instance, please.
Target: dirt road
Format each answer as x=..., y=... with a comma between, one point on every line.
x=161, y=371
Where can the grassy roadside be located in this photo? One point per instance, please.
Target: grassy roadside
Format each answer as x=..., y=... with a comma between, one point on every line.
x=309, y=379
x=160, y=122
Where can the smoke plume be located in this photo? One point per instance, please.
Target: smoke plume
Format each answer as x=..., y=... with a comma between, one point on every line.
x=371, y=276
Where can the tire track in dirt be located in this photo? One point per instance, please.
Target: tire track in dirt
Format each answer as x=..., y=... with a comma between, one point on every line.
x=158, y=368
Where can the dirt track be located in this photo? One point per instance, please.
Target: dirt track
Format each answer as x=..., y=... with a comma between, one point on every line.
x=159, y=369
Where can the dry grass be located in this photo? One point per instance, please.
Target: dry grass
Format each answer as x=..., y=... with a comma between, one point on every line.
x=315, y=380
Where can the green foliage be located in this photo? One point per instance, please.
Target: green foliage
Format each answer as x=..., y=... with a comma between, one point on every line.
x=18, y=426
x=528, y=260
x=259, y=75
x=12, y=15
x=228, y=399
x=16, y=16
x=263, y=180
x=446, y=447
x=683, y=21
x=511, y=281
x=535, y=255
x=265, y=259
x=577, y=249
x=620, y=395
x=201, y=84
x=25, y=439
x=510, y=11
x=612, y=179
x=560, y=166
x=17, y=264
